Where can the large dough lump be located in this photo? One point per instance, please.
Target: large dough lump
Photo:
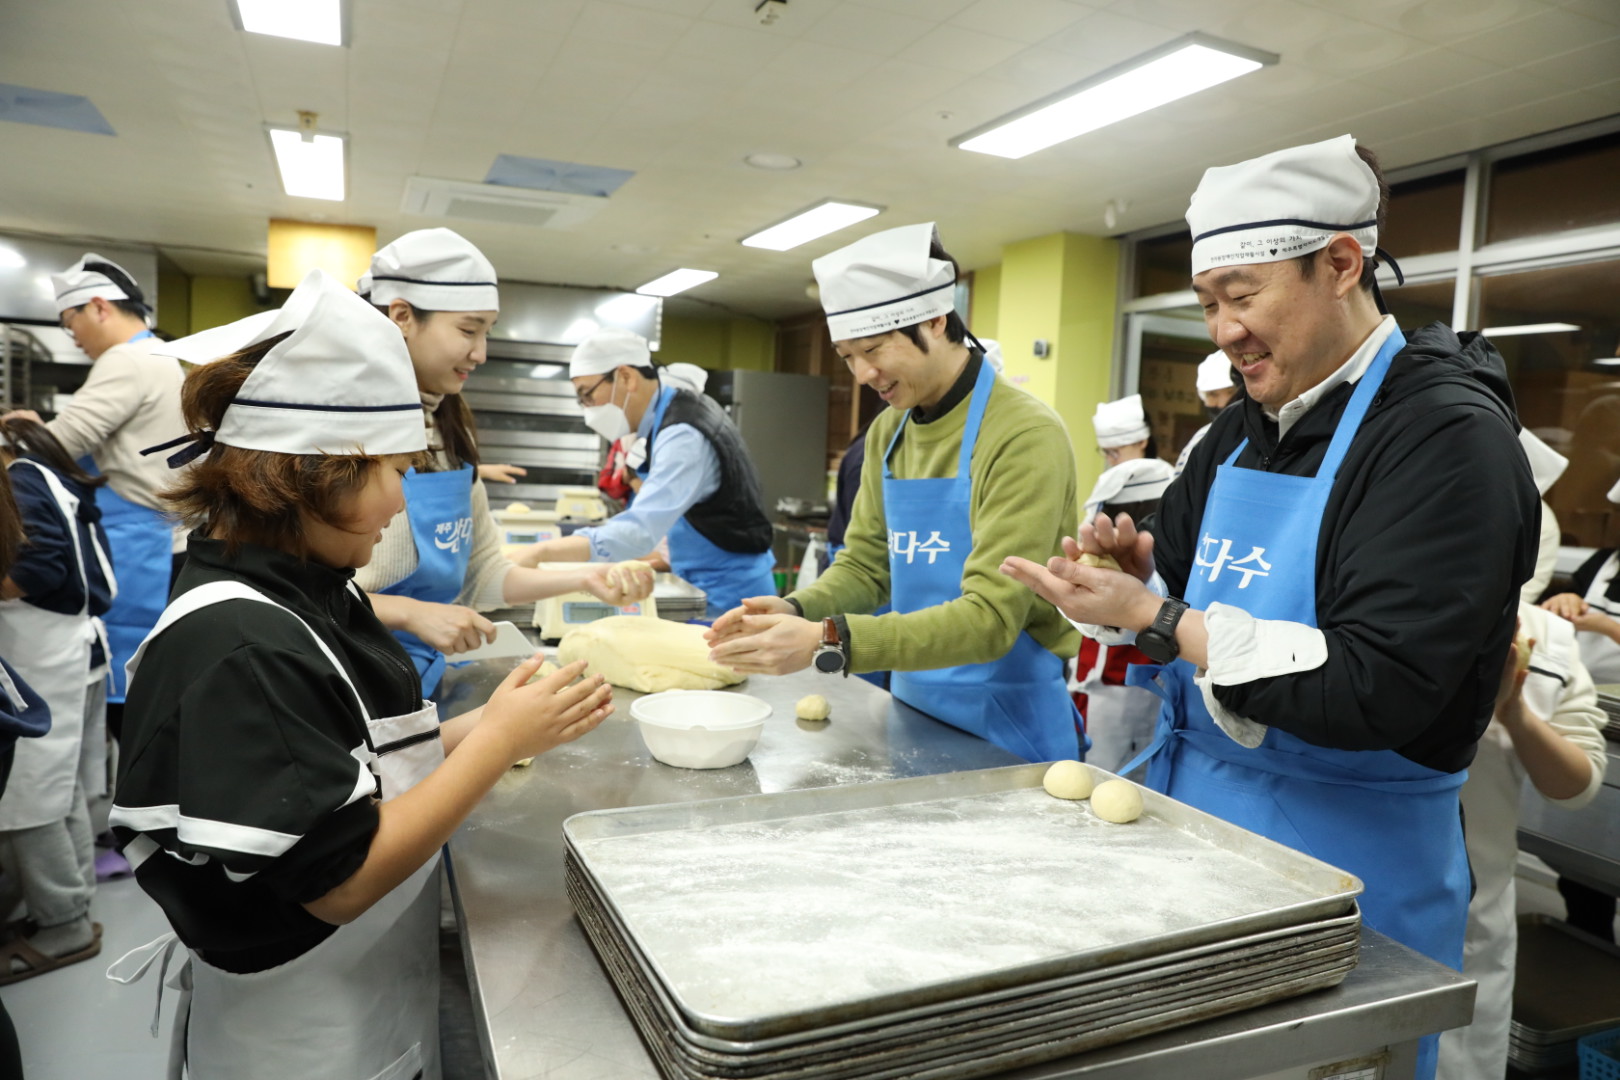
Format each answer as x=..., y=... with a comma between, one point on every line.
x=649, y=655
x=1117, y=800
x=1068, y=780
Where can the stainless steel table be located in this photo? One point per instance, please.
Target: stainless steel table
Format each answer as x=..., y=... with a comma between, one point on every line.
x=1584, y=844
x=546, y=1009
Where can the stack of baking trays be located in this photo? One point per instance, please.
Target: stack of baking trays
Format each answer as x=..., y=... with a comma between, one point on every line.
x=1566, y=985
x=1609, y=698
x=678, y=599
x=943, y=926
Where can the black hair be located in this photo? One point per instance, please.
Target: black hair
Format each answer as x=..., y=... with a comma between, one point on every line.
x=136, y=304
x=1369, y=268
x=646, y=371
x=24, y=436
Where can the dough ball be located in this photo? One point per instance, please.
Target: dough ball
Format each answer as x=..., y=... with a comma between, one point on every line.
x=812, y=707
x=1101, y=562
x=546, y=668
x=517, y=508
x=1118, y=801
x=1521, y=647
x=1068, y=780
x=620, y=574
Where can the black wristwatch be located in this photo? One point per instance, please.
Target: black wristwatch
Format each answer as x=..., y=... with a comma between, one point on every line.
x=829, y=656
x=1158, y=642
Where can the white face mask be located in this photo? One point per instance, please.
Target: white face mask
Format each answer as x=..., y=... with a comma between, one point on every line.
x=608, y=421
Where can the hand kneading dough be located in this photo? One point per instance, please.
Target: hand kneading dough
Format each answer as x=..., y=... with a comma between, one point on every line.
x=1068, y=780
x=812, y=707
x=619, y=574
x=649, y=655
x=1117, y=801
x=1521, y=646
x=1101, y=562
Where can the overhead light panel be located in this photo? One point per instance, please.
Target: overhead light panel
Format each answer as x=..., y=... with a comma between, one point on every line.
x=676, y=281
x=821, y=219
x=311, y=165
x=1530, y=328
x=320, y=21
x=1184, y=66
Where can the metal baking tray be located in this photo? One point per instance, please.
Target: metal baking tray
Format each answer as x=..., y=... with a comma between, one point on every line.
x=1567, y=984
x=751, y=911
x=1203, y=980
x=1254, y=950
x=967, y=1051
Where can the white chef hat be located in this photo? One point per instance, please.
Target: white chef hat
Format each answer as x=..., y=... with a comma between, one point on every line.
x=1214, y=373
x=432, y=270
x=992, y=354
x=92, y=276
x=1120, y=423
x=686, y=376
x=1283, y=205
x=609, y=350
x=1546, y=464
x=885, y=281
x=1130, y=481
x=341, y=382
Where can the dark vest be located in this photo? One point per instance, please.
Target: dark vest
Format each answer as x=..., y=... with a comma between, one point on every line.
x=733, y=518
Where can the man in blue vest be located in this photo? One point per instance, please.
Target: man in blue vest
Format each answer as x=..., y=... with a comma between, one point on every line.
x=699, y=487
x=1331, y=585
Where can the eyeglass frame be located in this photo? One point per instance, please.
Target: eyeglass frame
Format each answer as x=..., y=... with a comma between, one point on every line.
x=583, y=397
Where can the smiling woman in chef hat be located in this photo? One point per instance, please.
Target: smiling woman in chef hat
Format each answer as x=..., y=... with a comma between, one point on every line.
x=963, y=469
x=270, y=710
x=440, y=562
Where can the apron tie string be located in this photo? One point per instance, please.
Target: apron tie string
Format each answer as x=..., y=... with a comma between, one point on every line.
x=133, y=966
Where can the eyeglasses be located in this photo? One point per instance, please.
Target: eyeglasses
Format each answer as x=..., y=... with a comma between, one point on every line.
x=65, y=320
x=584, y=396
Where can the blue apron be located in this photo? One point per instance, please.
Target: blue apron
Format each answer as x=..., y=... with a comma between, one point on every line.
x=1019, y=702
x=439, y=508
x=1390, y=821
x=140, y=543
x=726, y=577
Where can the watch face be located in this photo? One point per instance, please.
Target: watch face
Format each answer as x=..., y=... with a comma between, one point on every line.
x=829, y=661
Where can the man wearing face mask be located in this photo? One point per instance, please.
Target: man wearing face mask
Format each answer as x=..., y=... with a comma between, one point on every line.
x=699, y=487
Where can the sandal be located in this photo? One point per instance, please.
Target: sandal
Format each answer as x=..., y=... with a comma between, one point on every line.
x=38, y=963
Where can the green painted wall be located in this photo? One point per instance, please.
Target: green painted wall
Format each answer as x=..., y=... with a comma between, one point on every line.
x=1061, y=289
x=985, y=315
x=216, y=301
x=719, y=344
x=173, y=300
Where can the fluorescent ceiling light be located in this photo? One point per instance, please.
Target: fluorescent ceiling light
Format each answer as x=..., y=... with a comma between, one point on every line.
x=1529, y=328
x=819, y=220
x=1185, y=66
x=1607, y=361
x=320, y=21
x=312, y=169
x=676, y=281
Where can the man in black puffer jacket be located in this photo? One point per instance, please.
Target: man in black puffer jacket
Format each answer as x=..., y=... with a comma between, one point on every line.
x=1332, y=584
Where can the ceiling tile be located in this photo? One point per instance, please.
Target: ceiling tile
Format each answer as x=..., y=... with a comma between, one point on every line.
x=961, y=49
x=868, y=30
x=1586, y=67
x=1546, y=33
x=1025, y=20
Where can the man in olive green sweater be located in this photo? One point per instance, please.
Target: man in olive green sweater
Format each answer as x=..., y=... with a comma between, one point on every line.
x=961, y=471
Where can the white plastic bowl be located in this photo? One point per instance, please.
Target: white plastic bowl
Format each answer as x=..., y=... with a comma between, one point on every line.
x=700, y=729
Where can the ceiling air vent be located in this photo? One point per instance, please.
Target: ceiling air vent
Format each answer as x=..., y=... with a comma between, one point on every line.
x=498, y=203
